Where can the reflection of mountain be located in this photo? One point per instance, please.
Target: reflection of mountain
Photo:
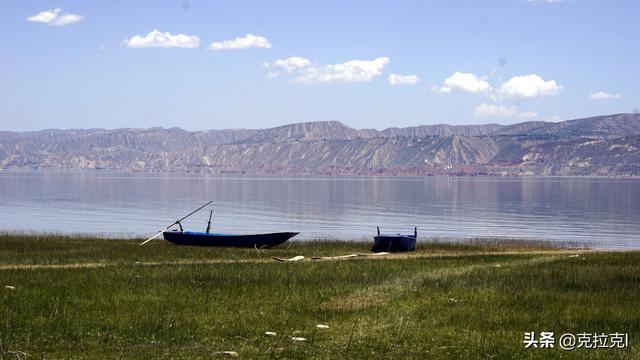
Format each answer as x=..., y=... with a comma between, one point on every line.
x=604, y=145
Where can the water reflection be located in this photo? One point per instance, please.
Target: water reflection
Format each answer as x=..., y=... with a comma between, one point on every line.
x=599, y=211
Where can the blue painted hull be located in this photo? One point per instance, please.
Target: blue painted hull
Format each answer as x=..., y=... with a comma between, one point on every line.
x=227, y=240
x=394, y=243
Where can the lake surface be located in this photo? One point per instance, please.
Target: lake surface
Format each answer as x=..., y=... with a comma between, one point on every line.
x=599, y=212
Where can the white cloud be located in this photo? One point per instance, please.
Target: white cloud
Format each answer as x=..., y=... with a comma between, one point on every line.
x=292, y=63
x=350, y=71
x=398, y=79
x=601, y=95
x=248, y=41
x=525, y=86
x=67, y=19
x=54, y=17
x=529, y=86
x=157, y=39
x=464, y=82
x=45, y=17
x=490, y=110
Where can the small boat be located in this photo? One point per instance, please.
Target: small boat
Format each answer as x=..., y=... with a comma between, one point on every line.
x=395, y=242
x=228, y=240
x=207, y=238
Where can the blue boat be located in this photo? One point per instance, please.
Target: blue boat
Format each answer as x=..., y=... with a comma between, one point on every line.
x=395, y=242
x=207, y=238
x=227, y=240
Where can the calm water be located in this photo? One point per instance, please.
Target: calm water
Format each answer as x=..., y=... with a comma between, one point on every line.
x=600, y=212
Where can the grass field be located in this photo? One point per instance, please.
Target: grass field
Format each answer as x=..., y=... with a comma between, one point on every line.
x=79, y=297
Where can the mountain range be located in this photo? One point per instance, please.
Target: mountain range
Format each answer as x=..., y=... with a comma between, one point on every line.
x=601, y=145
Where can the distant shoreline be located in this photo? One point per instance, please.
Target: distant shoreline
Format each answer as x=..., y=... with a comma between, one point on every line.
x=305, y=175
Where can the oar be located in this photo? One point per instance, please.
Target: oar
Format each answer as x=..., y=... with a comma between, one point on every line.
x=177, y=222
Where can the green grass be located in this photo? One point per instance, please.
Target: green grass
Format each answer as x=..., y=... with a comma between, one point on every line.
x=446, y=300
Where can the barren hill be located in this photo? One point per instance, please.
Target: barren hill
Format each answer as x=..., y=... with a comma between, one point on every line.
x=603, y=145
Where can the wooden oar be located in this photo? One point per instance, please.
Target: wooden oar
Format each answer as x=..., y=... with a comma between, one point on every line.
x=177, y=222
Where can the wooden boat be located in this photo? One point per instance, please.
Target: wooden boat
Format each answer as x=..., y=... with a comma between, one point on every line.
x=228, y=240
x=181, y=237
x=395, y=242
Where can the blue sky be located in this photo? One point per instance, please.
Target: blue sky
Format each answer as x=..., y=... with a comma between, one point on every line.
x=369, y=64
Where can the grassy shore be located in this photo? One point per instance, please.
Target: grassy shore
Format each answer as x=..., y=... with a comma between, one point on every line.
x=80, y=297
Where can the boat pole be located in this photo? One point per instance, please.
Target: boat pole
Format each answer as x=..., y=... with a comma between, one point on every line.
x=209, y=223
x=177, y=222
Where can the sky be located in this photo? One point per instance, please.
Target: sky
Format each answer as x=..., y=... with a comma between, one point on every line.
x=203, y=65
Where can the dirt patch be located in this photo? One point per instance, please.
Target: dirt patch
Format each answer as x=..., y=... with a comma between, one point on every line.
x=52, y=266
x=413, y=255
